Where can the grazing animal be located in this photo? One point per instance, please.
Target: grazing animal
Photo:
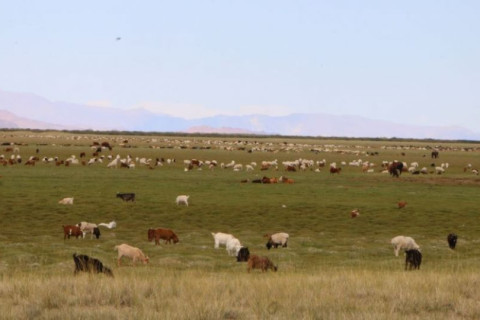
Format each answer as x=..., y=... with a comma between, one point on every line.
x=335, y=170
x=277, y=239
x=395, y=169
x=126, y=196
x=233, y=246
x=66, y=201
x=110, y=225
x=182, y=199
x=221, y=238
x=452, y=240
x=70, y=230
x=435, y=154
x=88, y=264
x=243, y=254
x=263, y=263
x=164, y=234
x=413, y=259
x=91, y=228
x=402, y=204
x=402, y=242
x=131, y=252
x=355, y=213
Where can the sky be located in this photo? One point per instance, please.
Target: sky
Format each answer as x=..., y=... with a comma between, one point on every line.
x=412, y=62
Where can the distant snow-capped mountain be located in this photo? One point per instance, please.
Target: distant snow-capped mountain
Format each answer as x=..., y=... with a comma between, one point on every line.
x=23, y=110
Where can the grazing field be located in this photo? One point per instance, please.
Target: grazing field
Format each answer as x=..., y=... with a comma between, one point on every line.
x=334, y=266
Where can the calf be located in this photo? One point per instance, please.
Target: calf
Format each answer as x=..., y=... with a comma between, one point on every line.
x=164, y=234
x=452, y=240
x=131, y=252
x=413, y=259
x=88, y=264
x=71, y=231
x=126, y=196
x=243, y=254
x=263, y=263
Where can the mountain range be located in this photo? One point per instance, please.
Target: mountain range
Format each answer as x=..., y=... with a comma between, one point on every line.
x=29, y=111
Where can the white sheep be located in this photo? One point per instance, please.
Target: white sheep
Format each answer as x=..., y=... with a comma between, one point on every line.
x=402, y=242
x=182, y=199
x=221, y=238
x=277, y=239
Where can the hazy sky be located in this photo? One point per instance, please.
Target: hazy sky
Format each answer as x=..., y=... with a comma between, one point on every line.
x=414, y=62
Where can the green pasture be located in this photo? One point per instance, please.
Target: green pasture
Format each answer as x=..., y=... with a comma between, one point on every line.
x=314, y=210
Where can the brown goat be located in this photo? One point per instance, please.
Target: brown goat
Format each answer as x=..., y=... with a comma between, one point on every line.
x=263, y=263
x=160, y=233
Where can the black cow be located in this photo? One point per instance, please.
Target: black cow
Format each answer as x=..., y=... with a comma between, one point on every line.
x=87, y=264
x=452, y=240
x=413, y=259
x=126, y=196
x=243, y=254
x=434, y=154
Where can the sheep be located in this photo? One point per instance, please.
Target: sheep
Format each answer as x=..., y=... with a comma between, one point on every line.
x=66, y=201
x=402, y=242
x=221, y=238
x=131, y=252
x=233, y=246
x=274, y=240
x=182, y=199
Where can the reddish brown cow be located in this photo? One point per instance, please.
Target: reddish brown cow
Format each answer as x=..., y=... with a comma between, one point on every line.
x=71, y=231
x=160, y=233
x=263, y=263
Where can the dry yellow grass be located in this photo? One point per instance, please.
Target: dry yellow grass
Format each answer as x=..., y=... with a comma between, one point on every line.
x=135, y=293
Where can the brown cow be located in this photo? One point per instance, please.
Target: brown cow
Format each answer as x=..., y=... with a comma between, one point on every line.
x=71, y=231
x=335, y=170
x=263, y=263
x=160, y=233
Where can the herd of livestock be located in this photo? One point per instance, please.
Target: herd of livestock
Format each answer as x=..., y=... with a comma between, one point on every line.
x=101, y=153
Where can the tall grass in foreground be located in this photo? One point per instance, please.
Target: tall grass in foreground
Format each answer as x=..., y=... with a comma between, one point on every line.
x=327, y=294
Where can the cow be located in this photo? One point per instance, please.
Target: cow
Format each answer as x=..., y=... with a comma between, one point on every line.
x=452, y=240
x=434, y=154
x=70, y=230
x=243, y=254
x=160, y=233
x=263, y=263
x=131, y=252
x=335, y=170
x=88, y=264
x=413, y=259
x=126, y=196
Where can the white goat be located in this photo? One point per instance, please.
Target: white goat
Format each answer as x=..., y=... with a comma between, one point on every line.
x=402, y=242
x=182, y=199
x=221, y=238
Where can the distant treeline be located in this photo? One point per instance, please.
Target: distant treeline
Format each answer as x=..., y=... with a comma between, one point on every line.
x=239, y=135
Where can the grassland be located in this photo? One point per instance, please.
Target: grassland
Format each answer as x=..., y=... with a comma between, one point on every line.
x=335, y=267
